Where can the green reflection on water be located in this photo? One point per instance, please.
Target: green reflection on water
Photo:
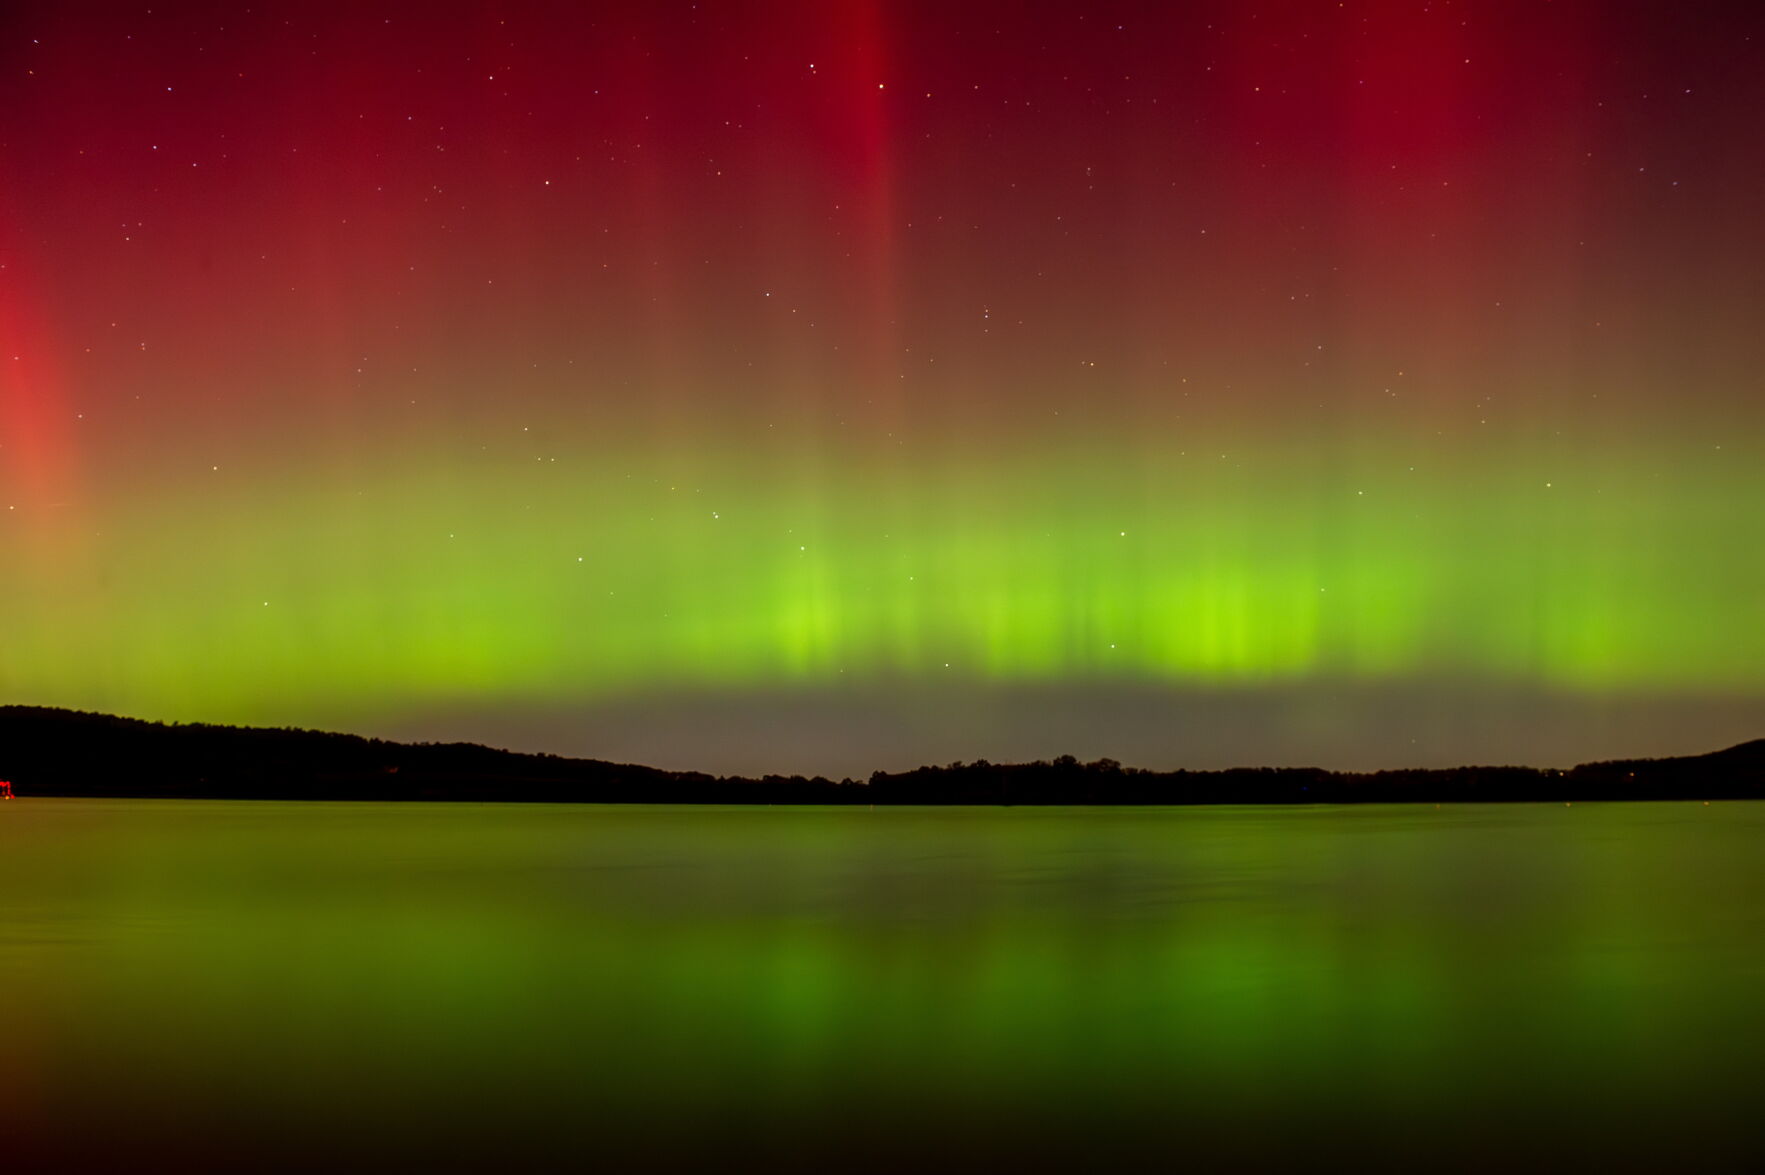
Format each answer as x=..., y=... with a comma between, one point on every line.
x=490, y=984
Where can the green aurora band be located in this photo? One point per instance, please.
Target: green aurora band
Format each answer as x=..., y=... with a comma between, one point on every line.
x=1600, y=571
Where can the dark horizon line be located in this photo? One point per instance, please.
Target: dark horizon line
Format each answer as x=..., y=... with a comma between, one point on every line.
x=47, y=751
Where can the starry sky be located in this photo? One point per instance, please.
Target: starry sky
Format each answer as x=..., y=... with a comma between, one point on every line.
x=822, y=387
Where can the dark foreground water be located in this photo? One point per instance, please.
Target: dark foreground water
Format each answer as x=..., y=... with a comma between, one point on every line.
x=416, y=986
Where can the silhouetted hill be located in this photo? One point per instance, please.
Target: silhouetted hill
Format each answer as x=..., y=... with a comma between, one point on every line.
x=47, y=752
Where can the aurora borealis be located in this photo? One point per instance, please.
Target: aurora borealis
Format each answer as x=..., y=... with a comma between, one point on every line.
x=831, y=386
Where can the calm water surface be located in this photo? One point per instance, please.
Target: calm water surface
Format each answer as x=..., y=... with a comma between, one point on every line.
x=291, y=985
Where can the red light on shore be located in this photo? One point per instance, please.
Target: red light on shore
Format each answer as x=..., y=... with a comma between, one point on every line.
x=5, y=790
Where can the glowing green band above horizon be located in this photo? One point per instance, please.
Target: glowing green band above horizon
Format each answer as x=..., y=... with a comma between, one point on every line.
x=439, y=581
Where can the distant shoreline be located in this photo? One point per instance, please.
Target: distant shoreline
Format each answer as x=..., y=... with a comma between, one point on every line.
x=68, y=753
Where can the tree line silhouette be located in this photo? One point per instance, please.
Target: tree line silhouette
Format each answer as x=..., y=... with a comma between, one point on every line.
x=50, y=752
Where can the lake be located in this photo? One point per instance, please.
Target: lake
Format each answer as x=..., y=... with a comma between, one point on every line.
x=422, y=985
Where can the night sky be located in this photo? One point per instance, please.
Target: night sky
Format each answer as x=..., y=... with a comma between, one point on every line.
x=832, y=386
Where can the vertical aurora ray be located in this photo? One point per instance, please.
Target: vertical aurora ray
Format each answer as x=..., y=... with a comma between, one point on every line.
x=36, y=422
x=554, y=363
